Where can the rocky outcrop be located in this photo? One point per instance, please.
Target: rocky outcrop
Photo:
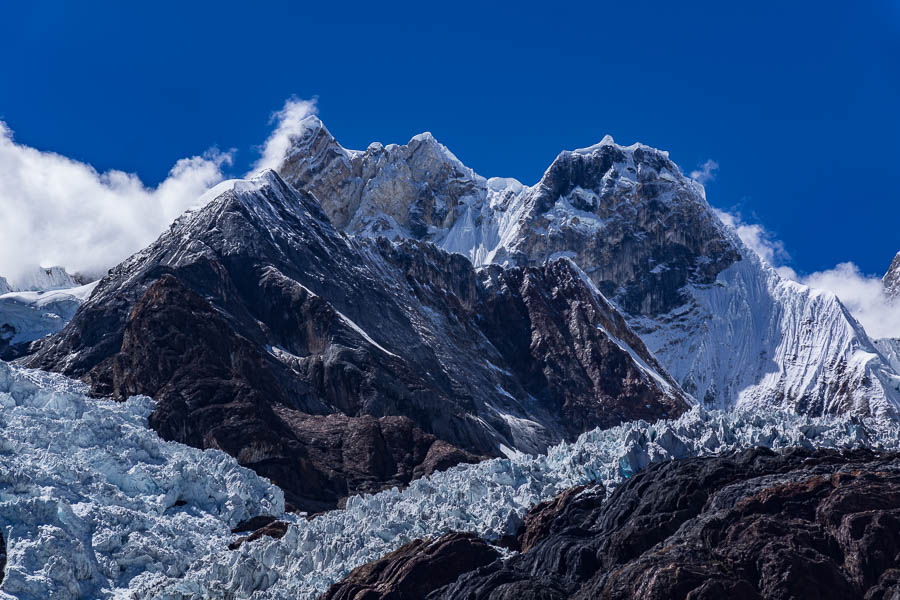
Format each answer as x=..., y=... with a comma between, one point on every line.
x=800, y=524
x=415, y=570
x=2, y=557
x=540, y=521
x=759, y=524
x=425, y=189
x=335, y=366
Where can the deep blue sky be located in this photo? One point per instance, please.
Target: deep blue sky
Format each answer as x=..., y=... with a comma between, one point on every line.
x=797, y=101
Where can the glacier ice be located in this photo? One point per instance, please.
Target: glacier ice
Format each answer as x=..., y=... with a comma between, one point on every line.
x=489, y=498
x=94, y=505
x=90, y=497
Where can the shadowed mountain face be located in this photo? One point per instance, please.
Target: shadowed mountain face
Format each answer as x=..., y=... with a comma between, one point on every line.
x=799, y=524
x=336, y=366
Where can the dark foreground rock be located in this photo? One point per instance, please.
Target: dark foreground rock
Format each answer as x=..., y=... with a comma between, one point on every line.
x=759, y=524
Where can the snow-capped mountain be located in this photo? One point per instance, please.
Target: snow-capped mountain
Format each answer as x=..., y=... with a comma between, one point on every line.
x=728, y=328
x=37, y=304
x=42, y=279
x=334, y=365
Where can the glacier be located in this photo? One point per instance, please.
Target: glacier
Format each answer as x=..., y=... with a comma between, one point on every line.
x=91, y=499
x=93, y=504
x=490, y=499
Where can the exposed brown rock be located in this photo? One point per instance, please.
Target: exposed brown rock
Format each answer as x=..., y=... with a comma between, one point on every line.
x=415, y=570
x=539, y=520
x=755, y=525
x=273, y=529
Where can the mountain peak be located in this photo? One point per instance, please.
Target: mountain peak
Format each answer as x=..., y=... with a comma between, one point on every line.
x=891, y=279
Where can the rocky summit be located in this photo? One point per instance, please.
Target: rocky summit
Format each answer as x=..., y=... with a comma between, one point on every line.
x=891, y=279
x=723, y=323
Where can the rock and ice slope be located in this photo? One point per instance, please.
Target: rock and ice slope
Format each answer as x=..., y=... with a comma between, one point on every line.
x=336, y=366
x=746, y=526
x=724, y=324
x=91, y=500
x=489, y=499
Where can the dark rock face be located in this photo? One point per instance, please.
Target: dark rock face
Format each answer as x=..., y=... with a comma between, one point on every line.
x=415, y=570
x=539, y=521
x=560, y=340
x=756, y=525
x=658, y=233
x=335, y=367
x=891, y=279
x=270, y=528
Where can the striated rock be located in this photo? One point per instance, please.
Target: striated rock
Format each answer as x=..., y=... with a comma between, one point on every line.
x=759, y=524
x=334, y=366
x=540, y=520
x=415, y=570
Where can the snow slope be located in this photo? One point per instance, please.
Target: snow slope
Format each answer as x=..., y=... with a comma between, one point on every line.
x=489, y=498
x=30, y=315
x=756, y=339
x=91, y=499
x=36, y=304
x=42, y=279
x=890, y=350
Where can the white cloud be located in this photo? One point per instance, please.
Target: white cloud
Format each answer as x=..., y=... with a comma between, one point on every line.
x=705, y=172
x=290, y=122
x=760, y=240
x=862, y=294
x=58, y=211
